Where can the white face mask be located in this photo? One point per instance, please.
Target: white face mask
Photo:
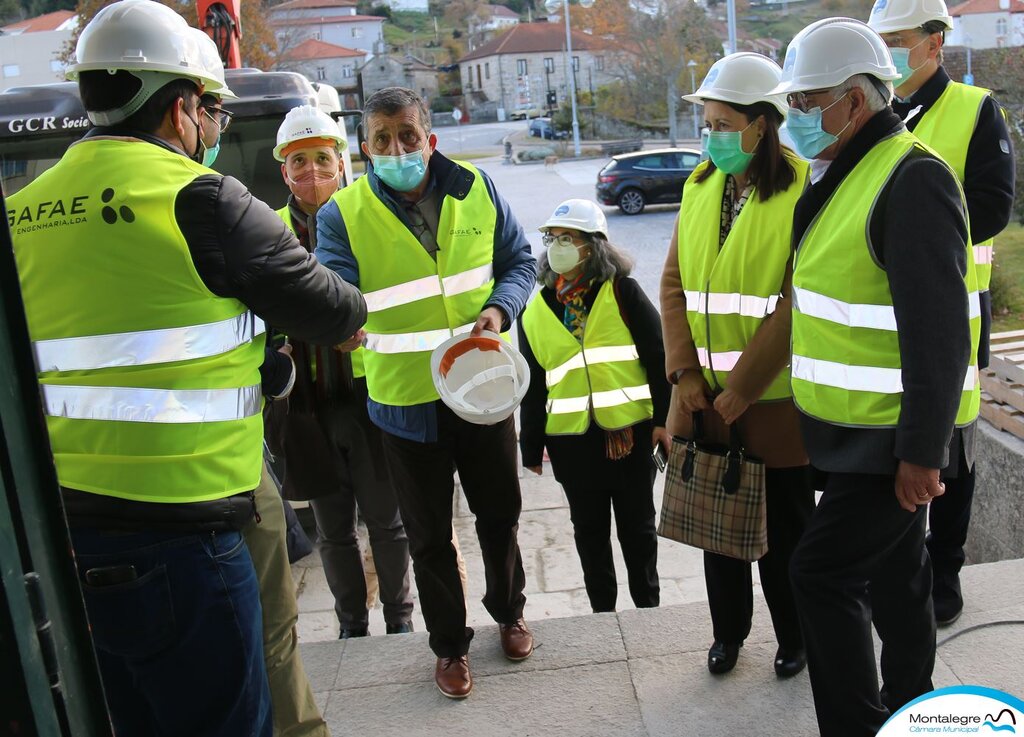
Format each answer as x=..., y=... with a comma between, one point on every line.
x=563, y=256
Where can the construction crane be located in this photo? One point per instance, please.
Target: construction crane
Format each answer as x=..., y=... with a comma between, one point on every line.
x=221, y=20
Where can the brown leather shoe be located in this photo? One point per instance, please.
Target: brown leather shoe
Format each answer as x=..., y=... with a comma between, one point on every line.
x=516, y=640
x=452, y=677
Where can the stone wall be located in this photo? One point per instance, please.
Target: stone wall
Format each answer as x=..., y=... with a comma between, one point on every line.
x=997, y=521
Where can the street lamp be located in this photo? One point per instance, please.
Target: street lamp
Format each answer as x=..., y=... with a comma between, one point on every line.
x=552, y=6
x=693, y=90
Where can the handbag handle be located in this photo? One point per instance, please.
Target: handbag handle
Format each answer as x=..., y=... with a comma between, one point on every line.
x=691, y=446
x=734, y=462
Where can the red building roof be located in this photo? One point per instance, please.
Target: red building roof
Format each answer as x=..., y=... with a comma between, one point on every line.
x=527, y=38
x=324, y=20
x=311, y=4
x=313, y=49
x=49, y=22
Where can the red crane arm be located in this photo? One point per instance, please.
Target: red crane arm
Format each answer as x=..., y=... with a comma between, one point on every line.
x=221, y=20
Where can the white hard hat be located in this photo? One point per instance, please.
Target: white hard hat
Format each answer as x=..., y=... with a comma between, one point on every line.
x=578, y=214
x=482, y=379
x=306, y=121
x=210, y=57
x=830, y=51
x=145, y=38
x=742, y=79
x=890, y=16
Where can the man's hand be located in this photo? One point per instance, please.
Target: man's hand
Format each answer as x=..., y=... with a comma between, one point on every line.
x=917, y=485
x=286, y=349
x=539, y=470
x=352, y=343
x=492, y=318
x=693, y=391
x=730, y=406
x=661, y=436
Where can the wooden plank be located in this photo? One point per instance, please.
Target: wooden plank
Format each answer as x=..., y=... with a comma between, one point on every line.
x=1003, y=391
x=1007, y=369
x=1007, y=347
x=1008, y=335
x=1002, y=417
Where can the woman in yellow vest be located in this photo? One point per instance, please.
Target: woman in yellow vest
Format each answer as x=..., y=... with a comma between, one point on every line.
x=726, y=316
x=596, y=398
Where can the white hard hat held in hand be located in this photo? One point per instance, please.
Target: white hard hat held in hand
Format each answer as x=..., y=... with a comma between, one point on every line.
x=306, y=122
x=482, y=379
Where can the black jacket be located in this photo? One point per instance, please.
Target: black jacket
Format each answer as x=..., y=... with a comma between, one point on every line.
x=989, y=174
x=918, y=234
x=581, y=457
x=241, y=249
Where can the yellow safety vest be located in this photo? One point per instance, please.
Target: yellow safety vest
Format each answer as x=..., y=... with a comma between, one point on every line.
x=846, y=366
x=150, y=382
x=948, y=127
x=415, y=303
x=731, y=290
x=602, y=376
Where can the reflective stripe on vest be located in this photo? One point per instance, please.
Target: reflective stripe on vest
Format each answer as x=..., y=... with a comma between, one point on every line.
x=174, y=406
x=730, y=290
x=414, y=302
x=285, y=214
x=149, y=381
x=602, y=377
x=146, y=346
x=948, y=127
x=846, y=356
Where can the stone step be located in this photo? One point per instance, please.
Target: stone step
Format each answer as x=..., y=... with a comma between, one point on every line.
x=635, y=673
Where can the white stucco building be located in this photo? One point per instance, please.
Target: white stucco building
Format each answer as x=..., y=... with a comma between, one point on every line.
x=987, y=24
x=320, y=61
x=415, y=6
x=29, y=49
x=331, y=21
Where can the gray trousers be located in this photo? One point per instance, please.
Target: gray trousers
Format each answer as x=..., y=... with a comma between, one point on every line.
x=357, y=450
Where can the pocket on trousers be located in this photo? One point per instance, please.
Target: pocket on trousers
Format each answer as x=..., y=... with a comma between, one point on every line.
x=133, y=619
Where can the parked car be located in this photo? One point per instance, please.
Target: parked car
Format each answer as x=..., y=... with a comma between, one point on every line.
x=633, y=181
x=543, y=128
x=525, y=113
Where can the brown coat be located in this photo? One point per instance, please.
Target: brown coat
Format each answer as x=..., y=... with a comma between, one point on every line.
x=770, y=430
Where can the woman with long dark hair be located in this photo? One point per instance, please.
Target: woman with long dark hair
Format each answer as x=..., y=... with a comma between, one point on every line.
x=725, y=312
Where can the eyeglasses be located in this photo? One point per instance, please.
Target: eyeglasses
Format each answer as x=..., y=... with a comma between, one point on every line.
x=563, y=240
x=220, y=116
x=799, y=100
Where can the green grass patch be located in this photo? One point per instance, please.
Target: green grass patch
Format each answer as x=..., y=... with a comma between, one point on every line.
x=1008, y=280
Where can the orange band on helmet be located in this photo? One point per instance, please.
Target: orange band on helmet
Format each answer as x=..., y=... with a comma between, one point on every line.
x=467, y=345
x=308, y=142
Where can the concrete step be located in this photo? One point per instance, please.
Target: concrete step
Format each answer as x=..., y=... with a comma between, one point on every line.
x=635, y=673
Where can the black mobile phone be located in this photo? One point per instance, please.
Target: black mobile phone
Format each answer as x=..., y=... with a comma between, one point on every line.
x=659, y=456
x=110, y=575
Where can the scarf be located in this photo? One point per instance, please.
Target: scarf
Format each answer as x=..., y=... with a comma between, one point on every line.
x=572, y=293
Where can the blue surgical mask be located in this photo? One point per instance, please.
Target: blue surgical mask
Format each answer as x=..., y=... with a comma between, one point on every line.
x=401, y=173
x=210, y=155
x=726, y=151
x=901, y=58
x=809, y=138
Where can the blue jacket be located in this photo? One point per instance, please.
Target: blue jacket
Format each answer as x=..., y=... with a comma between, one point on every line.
x=515, y=273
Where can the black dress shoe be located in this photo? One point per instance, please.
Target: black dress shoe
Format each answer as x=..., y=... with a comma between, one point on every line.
x=402, y=628
x=347, y=634
x=722, y=657
x=789, y=662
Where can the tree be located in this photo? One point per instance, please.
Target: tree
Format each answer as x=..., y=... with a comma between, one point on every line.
x=258, y=44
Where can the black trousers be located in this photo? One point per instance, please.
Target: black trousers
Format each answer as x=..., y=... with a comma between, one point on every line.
x=486, y=458
x=790, y=502
x=862, y=557
x=949, y=517
x=590, y=507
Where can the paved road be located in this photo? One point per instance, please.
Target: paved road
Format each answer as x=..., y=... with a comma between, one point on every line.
x=476, y=138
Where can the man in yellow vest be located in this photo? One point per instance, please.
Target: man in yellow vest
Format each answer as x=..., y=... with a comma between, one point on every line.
x=436, y=251
x=965, y=126
x=885, y=331
x=333, y=454
x=294, y=708
x=146, y=278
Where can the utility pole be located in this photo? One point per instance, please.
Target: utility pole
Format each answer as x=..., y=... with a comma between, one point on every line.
x=731, y=15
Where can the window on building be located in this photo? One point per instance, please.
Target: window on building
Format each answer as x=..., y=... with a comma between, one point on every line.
x=487, y=70
x=549, y=65
x=1001, y=27
x=57, y=67
x=346, y=71
x=357, y=33
x=321, y=74
x=12, y=70
x=599, y=63
x=479, y=81
x=521, y=67
x=316, y=35
x=575, y=63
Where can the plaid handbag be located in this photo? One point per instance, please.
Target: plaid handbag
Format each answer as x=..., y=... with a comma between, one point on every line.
x=714, y=496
